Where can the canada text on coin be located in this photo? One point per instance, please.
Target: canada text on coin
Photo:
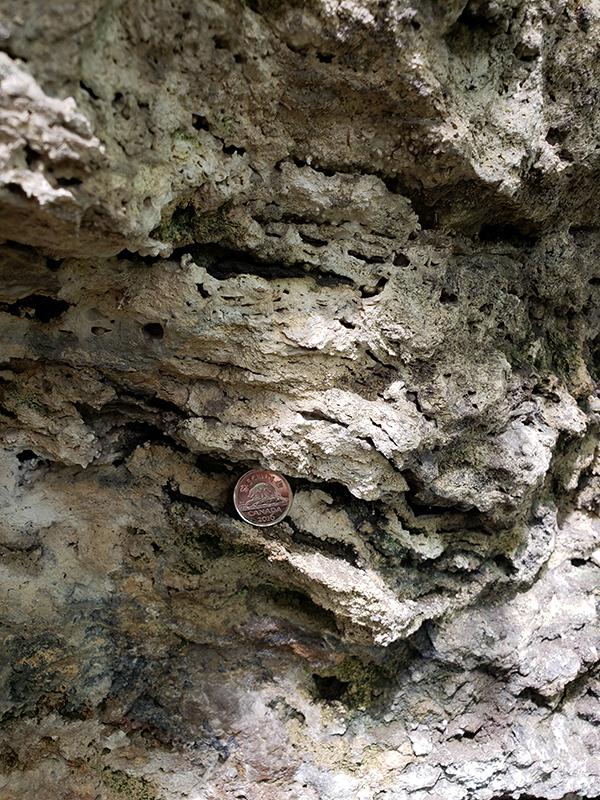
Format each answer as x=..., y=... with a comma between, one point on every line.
x=262, y=497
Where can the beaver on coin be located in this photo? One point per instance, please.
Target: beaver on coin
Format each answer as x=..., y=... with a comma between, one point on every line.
x=262, y=497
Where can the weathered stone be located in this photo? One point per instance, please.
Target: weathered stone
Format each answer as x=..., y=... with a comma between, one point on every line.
x=352, y=242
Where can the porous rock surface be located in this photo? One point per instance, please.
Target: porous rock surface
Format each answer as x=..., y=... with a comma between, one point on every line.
x=353, y=242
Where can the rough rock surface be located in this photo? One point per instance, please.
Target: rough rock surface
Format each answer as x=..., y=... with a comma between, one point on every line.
x=354, y=242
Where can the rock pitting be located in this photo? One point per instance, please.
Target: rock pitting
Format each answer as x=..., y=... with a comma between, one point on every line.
x=355, y=243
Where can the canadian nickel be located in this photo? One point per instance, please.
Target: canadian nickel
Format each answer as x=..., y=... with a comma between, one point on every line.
x=262, y=497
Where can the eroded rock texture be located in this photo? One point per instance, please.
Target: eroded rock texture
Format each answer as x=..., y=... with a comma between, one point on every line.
x=354, y=242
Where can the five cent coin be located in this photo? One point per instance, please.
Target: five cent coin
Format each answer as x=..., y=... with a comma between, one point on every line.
x=262, y=497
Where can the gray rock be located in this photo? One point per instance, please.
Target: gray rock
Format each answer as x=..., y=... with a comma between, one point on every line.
x=352, y=242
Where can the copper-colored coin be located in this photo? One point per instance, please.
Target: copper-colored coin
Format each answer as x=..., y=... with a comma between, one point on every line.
x=262, y=497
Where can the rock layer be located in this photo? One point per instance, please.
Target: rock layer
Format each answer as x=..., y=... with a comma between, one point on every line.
x=352, y=242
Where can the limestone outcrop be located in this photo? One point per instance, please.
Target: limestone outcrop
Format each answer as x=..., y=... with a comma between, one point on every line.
x=355, y=243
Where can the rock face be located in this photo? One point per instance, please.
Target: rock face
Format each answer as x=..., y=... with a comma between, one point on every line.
x=353, y=242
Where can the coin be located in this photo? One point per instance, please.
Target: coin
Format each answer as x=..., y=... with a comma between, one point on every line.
x=262, y=497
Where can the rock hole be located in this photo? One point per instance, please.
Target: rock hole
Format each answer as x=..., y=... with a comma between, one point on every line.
x=330, y=688
x=583, y=18
x=240, y=59
x=221, y=43
x=26, y=455
x=154, y=330
x=526, y=53
x=202, y=291
x=87, y=89
x=48, y=741
x=319, y=416
x=347, y=324
x=311, y=240
x=371, y=291
x=38, y=306
x=524, y=234
x=504, y=564
x=594, y=281
x=14, y=188
x=325, y=58
x=65, y=182
x=31, y=157
x=231, y=149
x=53, y=264
x=199, y=122
x=98, y=330
x=367, y=259
x=578, y=562
x=448, y=297
x=401, y=260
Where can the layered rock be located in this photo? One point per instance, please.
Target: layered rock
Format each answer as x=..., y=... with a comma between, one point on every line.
x=355, y=243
